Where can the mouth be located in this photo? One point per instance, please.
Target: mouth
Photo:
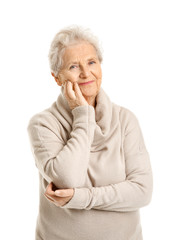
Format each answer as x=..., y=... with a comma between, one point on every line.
x=85, y=83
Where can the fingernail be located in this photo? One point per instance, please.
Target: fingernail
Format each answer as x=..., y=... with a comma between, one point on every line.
x=57, y=192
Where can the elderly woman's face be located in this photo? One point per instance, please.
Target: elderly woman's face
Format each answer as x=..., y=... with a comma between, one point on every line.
x=81, y=65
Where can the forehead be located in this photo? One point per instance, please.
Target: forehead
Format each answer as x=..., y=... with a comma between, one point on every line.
x=80, y=51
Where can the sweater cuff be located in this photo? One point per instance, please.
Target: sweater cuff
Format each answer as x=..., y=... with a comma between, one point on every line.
x=79, y=200
x=83, y=114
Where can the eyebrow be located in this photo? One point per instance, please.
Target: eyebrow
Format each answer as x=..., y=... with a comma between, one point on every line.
x=89, y=59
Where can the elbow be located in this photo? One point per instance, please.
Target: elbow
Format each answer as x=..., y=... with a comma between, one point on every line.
x=147, y=199
x=147, y=191
x=148, y=195
x=143, y=198
x=63, y=178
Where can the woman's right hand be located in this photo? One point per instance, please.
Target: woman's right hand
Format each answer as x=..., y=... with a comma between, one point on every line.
x=74, y=95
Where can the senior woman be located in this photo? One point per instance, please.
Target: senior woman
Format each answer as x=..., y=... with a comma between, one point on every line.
x=94, y=168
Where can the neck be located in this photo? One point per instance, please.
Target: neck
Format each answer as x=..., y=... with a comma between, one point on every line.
x=91, y=101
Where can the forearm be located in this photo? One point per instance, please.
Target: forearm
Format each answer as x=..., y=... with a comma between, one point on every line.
x=129, y=195
x=66, y=166
x=124, y=196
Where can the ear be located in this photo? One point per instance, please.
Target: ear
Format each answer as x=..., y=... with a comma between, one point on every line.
x=57, y=79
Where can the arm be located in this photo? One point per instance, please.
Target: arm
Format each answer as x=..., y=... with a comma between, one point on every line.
x=64, y=164
x=129, y=195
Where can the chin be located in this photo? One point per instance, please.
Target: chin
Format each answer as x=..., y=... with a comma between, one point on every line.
x=89, y=93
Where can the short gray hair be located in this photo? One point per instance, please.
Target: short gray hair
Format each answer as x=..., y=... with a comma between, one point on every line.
x=66, y=37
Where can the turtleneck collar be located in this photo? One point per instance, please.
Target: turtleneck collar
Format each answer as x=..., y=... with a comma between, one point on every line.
x=103, y=114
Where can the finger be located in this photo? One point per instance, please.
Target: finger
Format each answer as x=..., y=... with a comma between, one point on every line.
x=77, y=90
x=56, y=203
x=70, y=92
x=49, y=198
x=64, y=192
x=49, y=189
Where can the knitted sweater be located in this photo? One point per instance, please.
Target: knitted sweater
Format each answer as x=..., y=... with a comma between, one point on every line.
x=100, y=152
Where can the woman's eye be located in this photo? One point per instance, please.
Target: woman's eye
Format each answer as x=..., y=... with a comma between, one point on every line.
x=73, y=66
x=91, y=62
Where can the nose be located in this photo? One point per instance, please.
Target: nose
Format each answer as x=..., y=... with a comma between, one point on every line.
x=84, y=72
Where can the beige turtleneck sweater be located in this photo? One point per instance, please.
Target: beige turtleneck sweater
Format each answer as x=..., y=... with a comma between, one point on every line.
x=100, y=152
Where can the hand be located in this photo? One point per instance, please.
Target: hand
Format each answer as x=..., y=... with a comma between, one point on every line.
x=73, y=95
x=59, y=199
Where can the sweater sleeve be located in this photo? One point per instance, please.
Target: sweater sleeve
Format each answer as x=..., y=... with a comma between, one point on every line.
x=129, y=195
x=64, y=164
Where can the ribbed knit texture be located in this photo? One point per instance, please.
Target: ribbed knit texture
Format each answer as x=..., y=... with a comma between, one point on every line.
x=100, y=152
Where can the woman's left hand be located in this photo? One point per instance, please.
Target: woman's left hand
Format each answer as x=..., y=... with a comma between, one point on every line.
x=60, y=196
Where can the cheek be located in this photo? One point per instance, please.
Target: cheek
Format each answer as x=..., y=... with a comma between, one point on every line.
x=99, y=73
x=71, y=76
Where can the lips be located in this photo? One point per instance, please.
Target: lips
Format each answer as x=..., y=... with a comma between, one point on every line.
x=85, y=83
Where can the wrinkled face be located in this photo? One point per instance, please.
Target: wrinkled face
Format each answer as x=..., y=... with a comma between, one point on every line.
x=81, y=65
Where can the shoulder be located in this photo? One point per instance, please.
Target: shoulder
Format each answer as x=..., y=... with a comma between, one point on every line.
x=124, y=113
x=127, y=117
x=43, y=119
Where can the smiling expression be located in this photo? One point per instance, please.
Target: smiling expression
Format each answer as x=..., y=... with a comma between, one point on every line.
x=81, y=65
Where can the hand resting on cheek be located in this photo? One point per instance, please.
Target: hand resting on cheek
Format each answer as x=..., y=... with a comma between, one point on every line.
x=74, y=95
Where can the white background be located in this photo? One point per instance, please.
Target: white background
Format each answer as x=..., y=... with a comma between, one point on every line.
x=138, y=73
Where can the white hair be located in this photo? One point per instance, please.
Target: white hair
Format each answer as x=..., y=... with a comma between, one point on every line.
x=66, y=37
